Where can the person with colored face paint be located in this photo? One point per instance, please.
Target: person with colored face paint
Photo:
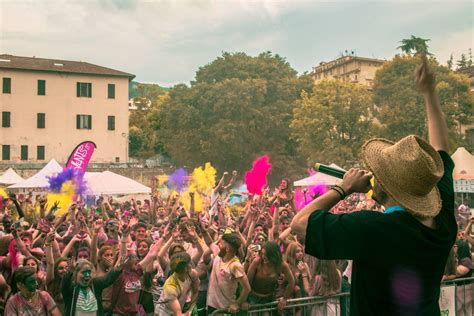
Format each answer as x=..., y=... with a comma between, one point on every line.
x=82, y=293
x=27, y=300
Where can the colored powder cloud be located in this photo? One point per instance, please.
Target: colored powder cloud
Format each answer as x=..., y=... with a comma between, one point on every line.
x=256, y=178
x=203, y=179
x=177, y=180
x=65, y=197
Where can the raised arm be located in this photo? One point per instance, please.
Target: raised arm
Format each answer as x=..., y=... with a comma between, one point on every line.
x=49, y=258
x=221, y=181
x=232, y=180
x=437, y=128
x=96, y=227
x=12, y=197
x=355, y=180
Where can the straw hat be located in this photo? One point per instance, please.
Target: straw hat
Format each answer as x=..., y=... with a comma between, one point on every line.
x=407, y=171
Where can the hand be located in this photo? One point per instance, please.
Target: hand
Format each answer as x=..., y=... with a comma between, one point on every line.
x=12, y=196
x=125, y=230
x=55, y=206
x=425, y=78
x=50, y=237
x=356, y=180
x=225, y=173
x=245, y=306
x=97, y=225
x=191, y=194
x=233, y=308
x=281, y=304
x=301, y=266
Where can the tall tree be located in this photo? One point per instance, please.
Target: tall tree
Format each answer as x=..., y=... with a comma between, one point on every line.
x=143, y=142
x=450, y=62
x=332, y=122
x=238, y=107
x=462, y=63
x=400, y=107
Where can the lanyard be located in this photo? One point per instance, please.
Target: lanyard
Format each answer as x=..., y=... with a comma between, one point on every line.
x=396, y=208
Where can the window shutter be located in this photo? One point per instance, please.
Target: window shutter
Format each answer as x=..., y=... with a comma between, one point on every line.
x=78, y=121
x=89, y=118
x=41, y=87
x=78, y=89
x=89, y=85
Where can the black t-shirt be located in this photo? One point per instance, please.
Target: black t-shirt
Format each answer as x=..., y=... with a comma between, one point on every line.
x=398, y=261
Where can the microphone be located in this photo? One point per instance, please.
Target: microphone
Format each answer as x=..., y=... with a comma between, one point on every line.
x=329, y=170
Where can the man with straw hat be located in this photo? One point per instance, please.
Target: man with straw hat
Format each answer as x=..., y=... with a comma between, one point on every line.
x=399, y=255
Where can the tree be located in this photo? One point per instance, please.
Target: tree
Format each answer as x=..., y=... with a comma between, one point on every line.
x=332, y=122
x=462, y=63
x=414, y=45
x=450, y=62
x=237, y=108
x=143, y=142
x=400, y=107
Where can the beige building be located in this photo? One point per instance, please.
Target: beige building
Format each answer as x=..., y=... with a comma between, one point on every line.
x=49, y=106
x=348, y=68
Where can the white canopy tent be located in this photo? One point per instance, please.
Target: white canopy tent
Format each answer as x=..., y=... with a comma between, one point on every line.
x=10, y=177
x=319, y=178
x=39, y=181
x=111, y=183
x=463, y=171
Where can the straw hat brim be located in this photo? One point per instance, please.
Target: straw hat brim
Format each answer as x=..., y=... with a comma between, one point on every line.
x=422, y=206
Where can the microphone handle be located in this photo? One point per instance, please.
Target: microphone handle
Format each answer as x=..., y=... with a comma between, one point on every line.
x=329, y=170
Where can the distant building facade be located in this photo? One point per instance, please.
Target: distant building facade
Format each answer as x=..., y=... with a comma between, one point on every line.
x=350, y=69
x=49, y=106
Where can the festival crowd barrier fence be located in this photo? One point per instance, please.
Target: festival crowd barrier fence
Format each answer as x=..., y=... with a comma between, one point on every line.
x=456, y=299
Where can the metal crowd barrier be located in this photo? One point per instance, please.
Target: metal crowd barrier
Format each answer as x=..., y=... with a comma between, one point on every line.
x=456, y=298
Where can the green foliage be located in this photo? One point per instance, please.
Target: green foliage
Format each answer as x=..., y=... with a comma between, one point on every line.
x=462, y=63
x=238, y=107
x=400, y=107
x=332, y=122
x=414, y=45
x=143, y=142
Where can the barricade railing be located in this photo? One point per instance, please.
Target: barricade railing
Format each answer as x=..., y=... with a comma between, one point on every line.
x=457, y=298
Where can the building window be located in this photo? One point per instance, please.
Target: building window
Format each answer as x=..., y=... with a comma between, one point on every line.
x=111, y=91
x=24, y=152
x=41, y=120
x=83, y=121
x=40, y=153
x=111, y=123
x=84, y=89
x=117, y=159
x=7, y=85
x=41, y=87
x=5, y=152
x=5, y=119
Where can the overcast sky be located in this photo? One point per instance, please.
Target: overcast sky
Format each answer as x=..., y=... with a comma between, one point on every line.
x=167, y=41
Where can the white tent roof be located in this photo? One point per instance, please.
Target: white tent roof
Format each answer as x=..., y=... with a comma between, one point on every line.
x=39, y=180
x=10, y=177
x=319, y=178
x=464, y=164
x=108, y=182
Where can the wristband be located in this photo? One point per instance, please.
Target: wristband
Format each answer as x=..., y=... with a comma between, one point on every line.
x=341, y=189
x=341, y=195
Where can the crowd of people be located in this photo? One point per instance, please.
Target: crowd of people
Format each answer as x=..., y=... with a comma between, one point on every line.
x=154, y=257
